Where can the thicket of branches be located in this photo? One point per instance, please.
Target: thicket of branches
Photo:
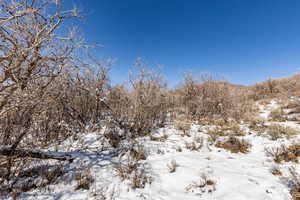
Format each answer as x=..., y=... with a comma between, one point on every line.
x=49, y=92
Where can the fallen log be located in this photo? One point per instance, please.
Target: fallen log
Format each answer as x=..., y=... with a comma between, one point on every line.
x=63, y=156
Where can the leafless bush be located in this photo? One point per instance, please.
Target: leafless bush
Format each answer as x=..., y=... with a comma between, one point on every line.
x=137, y=111
x=277, y=115
x=205, y=184
x=258, y=125
x=276, y=132
x=134, y=171
x=33, y=53
x=210, y=100
x=279, y=88
x=84, y=179
x=267, y=89
x=284, y=153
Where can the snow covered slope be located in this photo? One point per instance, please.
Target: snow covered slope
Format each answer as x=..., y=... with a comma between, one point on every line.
x=233, y=176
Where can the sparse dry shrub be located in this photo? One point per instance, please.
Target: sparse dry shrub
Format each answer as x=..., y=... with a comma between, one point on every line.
x=276, y=132
x=258, y=125
x=84, y=179
x=134, y=171
x=140, y=178
x=141, y=109
x=232, y=129
x=138, y=152
x=277, y=115
x=205, y=184
x=133, y=167
x=234, y=145
x=209, y=100
x=215, y=100
x=279, y=88
x=284, y=153
x=265, y=90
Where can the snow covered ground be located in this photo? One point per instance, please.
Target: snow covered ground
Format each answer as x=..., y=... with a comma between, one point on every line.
x=236, y=176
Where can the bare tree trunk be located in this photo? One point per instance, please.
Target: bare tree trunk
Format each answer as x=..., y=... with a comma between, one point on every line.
x=7, y=151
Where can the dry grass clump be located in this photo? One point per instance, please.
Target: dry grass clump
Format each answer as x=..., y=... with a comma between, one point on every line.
x=134, y=168
x=277, y=115
x=276, y=171
x=205, y=184
x=258, y=125
x=232, y=129
x=284, y=153
x=135, y=172
x=84, y=179
x=276, y=132
x=234, y=145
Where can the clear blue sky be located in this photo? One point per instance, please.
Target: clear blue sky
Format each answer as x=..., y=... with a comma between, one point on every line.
x=243, y=40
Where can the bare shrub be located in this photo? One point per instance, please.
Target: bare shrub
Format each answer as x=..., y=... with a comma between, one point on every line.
x=276, y=132
x=232, y=129
x=284, y=153
x=84, y=179
x=215, y=100
x=235, y=145
x=133, y=167
x=140, y=178
x=208, y=100
x=33, y=53
x=205, y=184
x=135, y=172
x=258, y=125
x=213, y=135
x=264, y=90
x=139, y=110
x=277, y=115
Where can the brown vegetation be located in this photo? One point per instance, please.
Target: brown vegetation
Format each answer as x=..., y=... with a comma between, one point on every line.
x=234, y=145
x=284, y=153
